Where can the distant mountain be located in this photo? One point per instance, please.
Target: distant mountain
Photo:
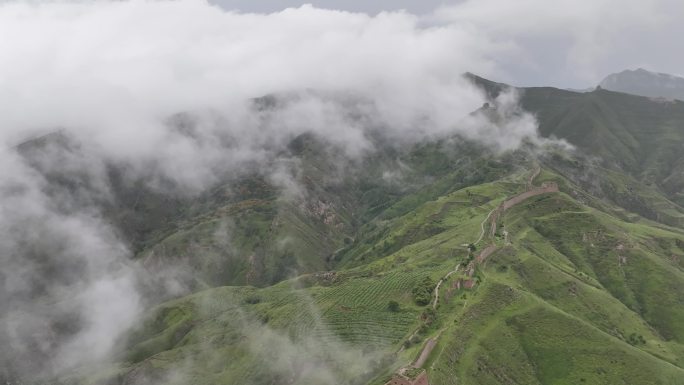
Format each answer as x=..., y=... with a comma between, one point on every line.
x=645, y=83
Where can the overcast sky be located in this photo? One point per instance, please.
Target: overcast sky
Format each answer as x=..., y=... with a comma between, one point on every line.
x=564, y=43
x=372, y=7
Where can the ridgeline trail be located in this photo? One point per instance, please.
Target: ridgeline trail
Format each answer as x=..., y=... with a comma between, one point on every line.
x=492, y=216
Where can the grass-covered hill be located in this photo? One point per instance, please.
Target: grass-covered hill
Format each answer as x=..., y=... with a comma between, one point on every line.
x=633, y=135
x=572, y=294
x=409, y=252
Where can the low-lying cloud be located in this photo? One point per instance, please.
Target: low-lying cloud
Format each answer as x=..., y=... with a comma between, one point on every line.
x=112, y=73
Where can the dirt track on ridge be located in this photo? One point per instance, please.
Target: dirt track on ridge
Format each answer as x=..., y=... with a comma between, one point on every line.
x=548, y=187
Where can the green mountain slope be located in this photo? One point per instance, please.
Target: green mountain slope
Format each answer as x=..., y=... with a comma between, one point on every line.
x=627, y=141
x=536, y=266
x=577, y=297
x=633, y=135
x=571, y=295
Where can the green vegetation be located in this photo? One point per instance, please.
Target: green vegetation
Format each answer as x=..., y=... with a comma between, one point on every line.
x=578, y=296
x=586, y=287
x=413, y=372
x=635, y=339
x=422, y=292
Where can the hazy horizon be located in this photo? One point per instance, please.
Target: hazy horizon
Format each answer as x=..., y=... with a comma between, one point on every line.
x=610, y=36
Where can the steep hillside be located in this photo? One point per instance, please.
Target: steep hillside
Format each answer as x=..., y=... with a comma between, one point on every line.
x=627, y=134
x=250, y=229
x=576, y=297
x=566, y=293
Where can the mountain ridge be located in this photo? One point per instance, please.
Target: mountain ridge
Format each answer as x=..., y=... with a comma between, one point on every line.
x=348, y=281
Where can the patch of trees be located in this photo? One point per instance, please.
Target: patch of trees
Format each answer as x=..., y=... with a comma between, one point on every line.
x=636, y=339
x=428, y=321
x=429, y=316
x=413, y=340
x=422, y=292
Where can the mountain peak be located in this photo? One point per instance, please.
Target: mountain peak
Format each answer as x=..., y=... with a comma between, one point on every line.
x=645, y=83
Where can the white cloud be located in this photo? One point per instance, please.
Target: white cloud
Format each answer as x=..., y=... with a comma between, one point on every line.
x=114, y=71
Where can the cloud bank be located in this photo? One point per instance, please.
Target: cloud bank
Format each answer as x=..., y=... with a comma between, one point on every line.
x=113, y=72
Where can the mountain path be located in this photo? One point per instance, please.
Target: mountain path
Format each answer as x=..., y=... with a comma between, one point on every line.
x=436, y=300
x=482, y=225
x=529, y=192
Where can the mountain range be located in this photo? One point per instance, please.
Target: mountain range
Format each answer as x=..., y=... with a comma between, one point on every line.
x=555, y=263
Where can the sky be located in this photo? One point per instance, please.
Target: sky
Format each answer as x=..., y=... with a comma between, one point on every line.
x=371, y=7
x=565, y=43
